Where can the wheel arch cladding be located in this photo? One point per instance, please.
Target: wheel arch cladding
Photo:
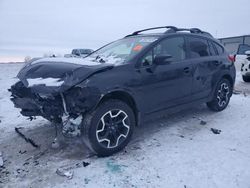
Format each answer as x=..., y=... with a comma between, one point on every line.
x=229, y=78
x=124, y=97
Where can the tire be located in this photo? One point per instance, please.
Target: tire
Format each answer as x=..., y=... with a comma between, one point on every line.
x=246, y=78
x=109, y=128
x=221, y=97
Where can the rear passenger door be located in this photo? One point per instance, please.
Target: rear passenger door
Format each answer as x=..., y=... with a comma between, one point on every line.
x=205, y=61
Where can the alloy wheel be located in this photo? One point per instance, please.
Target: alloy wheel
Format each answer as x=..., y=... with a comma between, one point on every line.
x=113, y=128
x=223, y=94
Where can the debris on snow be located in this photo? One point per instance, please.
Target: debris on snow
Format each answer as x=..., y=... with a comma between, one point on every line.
x=67, y=170
x=202, y=122
x=26, y=163
x=55, y=144
x=215, y=131
x=22, y=152
x=36, y=163
x=29, y=140
x=86, y=180
x=37, y=156
x=71, y=166
x=1, y=159
x=85, y=164
x=71, y=127
x=65, y=173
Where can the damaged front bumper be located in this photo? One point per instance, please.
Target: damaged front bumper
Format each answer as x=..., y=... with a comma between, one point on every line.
x=53, y=106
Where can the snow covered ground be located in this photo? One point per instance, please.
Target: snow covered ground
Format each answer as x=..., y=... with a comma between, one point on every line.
x=178, y=150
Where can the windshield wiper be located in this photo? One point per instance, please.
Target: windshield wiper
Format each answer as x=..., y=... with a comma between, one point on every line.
x=99, y=59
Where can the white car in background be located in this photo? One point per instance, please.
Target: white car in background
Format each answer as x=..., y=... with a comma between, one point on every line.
x=245, y=65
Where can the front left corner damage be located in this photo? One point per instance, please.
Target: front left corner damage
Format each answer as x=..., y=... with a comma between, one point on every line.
x=73, y=102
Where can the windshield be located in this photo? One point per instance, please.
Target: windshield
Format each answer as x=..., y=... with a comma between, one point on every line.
x=122, y=50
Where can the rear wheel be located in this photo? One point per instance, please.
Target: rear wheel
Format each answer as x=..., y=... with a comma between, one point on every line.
x=109, y=128
x=222, y=94
x=246, y=78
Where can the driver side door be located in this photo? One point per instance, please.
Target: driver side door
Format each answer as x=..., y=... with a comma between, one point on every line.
x=169, y=84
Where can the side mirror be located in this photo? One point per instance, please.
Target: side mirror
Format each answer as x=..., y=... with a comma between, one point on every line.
x=247, y=52
x=162, y=59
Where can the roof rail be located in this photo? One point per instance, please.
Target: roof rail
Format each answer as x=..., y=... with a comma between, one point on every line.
x=173, y=29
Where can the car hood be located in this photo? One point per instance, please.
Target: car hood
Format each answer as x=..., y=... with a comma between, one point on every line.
x=50, y=75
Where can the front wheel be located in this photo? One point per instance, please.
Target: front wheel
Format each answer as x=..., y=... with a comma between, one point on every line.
x=246, y=78
x=109, y=128
x=222, y=94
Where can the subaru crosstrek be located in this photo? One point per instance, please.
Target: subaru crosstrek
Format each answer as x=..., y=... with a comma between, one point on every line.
x=104, y=96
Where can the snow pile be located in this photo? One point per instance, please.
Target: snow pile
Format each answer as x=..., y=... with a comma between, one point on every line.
x=45, y=81
x=73, y=60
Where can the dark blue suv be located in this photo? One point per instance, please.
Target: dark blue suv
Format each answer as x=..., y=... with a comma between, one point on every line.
x=117, y=87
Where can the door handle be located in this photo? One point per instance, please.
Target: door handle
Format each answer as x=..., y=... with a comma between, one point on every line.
x=186, y=70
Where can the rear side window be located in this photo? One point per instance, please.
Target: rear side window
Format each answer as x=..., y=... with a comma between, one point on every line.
x=212, y=49
x=219, y=48
x=198, y=47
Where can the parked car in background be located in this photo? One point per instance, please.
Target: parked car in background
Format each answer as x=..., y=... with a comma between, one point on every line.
x=245, y=67
x=123, y=84
x=237, y=46
x=79, y=53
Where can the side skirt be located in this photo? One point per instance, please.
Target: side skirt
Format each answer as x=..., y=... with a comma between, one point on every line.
x=171, y=110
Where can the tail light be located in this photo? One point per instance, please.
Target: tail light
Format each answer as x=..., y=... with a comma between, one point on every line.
x=232, y=58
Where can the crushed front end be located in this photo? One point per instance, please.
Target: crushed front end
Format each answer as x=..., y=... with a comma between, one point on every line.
x=53, y=106
x=58, y=90
x=56, y=87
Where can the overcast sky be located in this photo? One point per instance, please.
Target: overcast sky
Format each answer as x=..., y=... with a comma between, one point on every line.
x=33, y=27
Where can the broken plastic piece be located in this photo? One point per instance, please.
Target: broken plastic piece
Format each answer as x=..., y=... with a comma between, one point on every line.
x=71, y=127
x=202, y=122
x=29, y=140
x=85, y=164
x=55, y=144
x=215, y=131
x=62, y=172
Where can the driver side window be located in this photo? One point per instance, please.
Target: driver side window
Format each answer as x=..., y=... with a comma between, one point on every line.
x=147, y=60
x=171, y=46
